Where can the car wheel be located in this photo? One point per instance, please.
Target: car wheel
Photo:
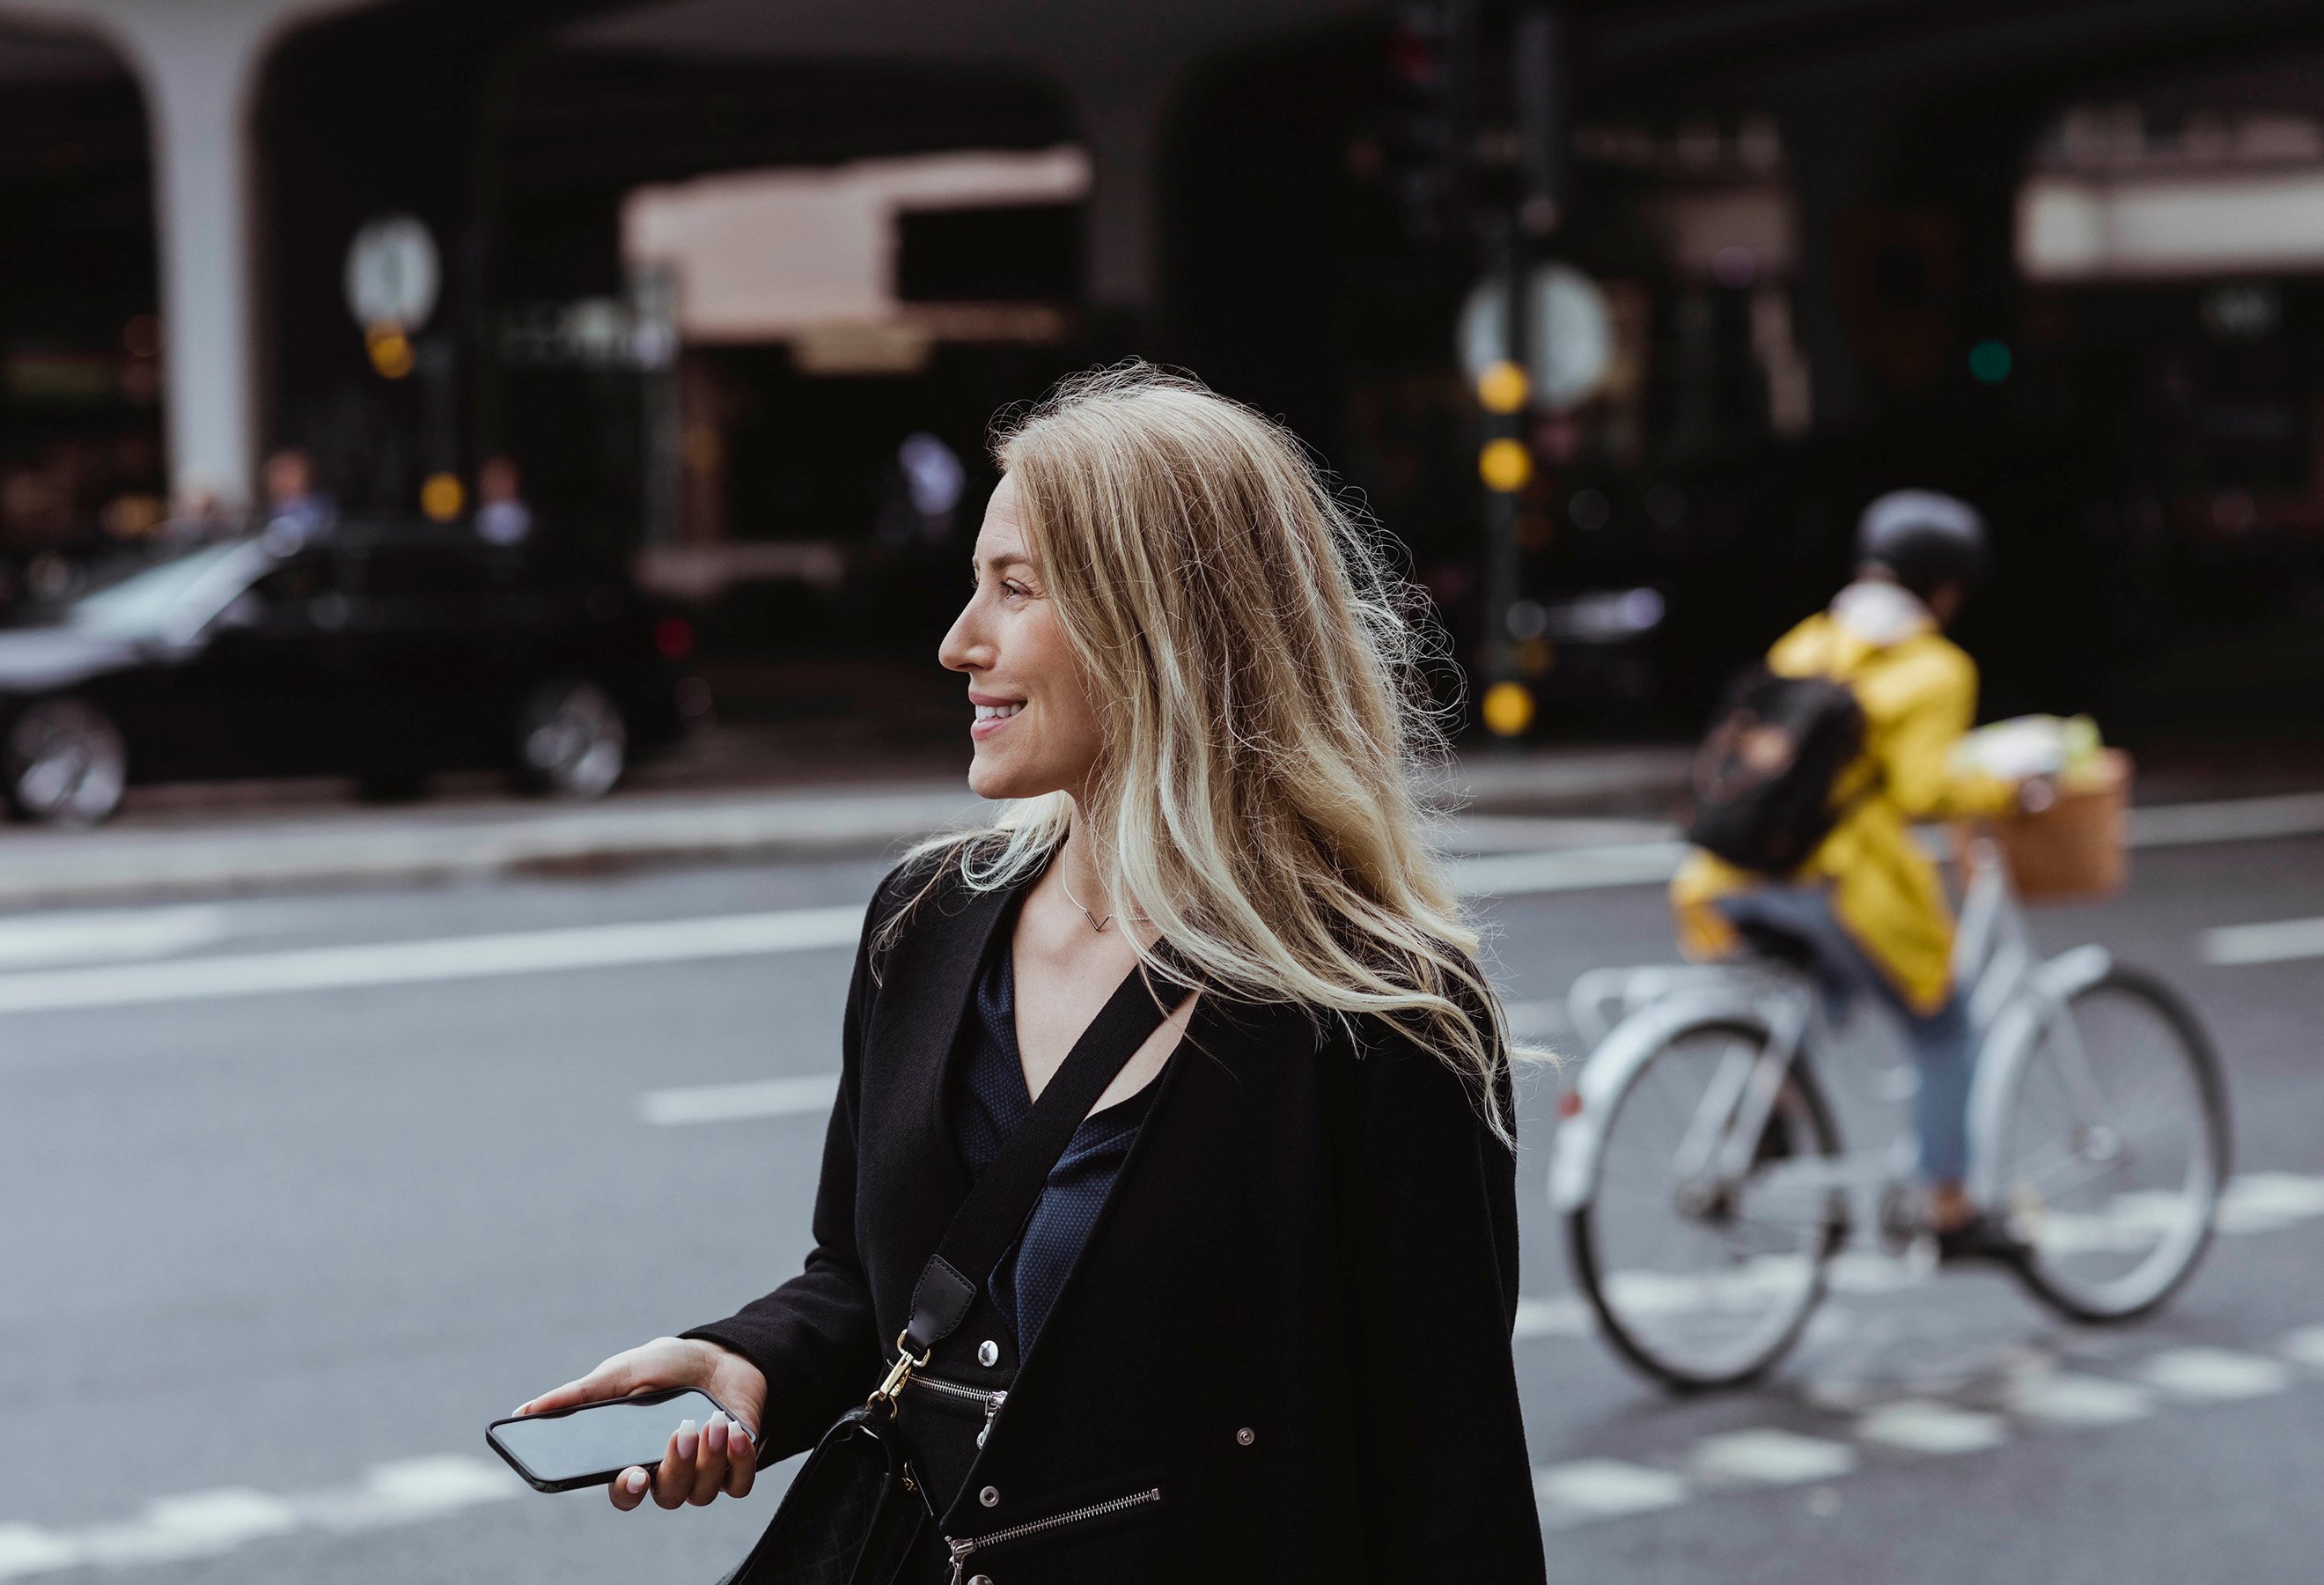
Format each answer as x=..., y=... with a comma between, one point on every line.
x=66, y=764
x=571, y=740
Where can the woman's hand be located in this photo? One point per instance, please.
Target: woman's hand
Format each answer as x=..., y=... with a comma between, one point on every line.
x=700, y=1463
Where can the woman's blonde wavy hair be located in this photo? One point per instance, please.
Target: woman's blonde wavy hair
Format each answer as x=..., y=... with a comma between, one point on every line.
x=1255, y=665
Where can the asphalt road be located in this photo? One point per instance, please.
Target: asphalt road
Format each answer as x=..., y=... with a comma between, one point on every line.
x=272, y=1259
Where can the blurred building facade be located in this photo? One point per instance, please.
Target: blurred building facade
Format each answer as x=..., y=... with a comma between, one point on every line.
x=708, y=269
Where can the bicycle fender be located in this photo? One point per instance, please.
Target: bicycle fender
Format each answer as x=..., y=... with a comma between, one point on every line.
x=2010, y=1042
x=1579, y=1139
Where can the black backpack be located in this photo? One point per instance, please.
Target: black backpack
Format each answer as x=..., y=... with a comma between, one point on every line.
x=1763, y=781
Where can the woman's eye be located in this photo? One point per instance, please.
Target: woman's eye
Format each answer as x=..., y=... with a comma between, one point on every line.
x=1015, y=590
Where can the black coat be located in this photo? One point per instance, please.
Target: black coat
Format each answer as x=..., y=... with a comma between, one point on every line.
x=1293, y=1317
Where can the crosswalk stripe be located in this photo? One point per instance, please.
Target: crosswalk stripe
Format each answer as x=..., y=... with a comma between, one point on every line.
x=1922, y=1425
x=1609, y=1488
x=2204, y=1373
x=2064, y=1398
x=2279, y=940
x=1768, y=1457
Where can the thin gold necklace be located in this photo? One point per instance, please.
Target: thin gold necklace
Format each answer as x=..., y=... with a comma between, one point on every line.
x=1095, y=923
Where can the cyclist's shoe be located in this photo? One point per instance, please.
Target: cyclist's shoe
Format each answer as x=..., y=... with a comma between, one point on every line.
x=1982, y=1237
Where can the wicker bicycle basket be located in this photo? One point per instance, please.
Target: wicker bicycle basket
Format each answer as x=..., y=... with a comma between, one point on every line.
x=2079, y=847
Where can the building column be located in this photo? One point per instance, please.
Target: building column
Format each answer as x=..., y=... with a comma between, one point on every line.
x=199, y=63
x=1122, y=125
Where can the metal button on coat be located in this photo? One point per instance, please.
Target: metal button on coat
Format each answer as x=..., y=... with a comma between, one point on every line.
x=1245, y=1437
x=990, y=1496
x=988, y=1353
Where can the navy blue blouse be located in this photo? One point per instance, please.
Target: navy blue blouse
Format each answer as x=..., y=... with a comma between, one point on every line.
x=989, y=1100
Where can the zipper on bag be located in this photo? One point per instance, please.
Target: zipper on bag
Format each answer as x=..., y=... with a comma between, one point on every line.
x=964, y=1548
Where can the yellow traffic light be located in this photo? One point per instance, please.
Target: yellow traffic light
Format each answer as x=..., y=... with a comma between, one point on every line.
x=390, y=349
x=1508, y=709
x=442, y=496
x=1502, y=388
x=1504, y=465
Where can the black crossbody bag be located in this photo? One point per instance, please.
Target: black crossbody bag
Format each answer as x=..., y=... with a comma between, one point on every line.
x=857, y=1505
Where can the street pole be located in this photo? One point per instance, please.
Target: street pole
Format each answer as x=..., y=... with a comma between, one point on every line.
x=1504, y=462
x=1505, y=466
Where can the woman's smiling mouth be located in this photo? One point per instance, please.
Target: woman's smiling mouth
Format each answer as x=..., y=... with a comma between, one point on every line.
x=992, y=718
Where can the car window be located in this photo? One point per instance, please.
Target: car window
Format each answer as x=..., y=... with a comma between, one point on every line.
x=554, y=567
x=300, y=580
x=425, y=572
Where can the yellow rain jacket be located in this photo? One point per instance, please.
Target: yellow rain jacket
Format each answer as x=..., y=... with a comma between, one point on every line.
x=1918, y=691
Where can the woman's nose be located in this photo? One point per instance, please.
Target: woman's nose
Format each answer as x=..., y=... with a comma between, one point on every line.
x=962, y=649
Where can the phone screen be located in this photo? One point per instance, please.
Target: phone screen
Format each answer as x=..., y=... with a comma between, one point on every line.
x=594, y=1443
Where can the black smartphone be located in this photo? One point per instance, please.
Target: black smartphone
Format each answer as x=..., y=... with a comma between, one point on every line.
x=589, y=1444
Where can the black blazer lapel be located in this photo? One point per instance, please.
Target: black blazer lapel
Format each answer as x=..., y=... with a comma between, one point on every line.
x=925, y=986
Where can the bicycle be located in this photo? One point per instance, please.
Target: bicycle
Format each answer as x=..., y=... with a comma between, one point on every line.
x=1705, y=1190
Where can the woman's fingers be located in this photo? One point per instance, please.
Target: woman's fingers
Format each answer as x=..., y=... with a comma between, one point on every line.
x=612, y=1379
x=629, y=1488
x=741, y=1459
x=674, y=1481
x=710, y=1462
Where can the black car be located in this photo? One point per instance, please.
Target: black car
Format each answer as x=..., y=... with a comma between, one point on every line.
x=384, y=651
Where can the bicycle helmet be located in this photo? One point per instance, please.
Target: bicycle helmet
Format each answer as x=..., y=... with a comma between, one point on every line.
x=1923, y=538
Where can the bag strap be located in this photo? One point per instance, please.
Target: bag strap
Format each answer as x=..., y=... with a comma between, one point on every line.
x=1004, y=1194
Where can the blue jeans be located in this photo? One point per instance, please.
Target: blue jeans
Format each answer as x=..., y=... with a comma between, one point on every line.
x=1943, y=1044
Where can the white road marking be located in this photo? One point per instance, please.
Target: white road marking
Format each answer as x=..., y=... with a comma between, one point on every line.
x=1538, y=1021
x=2227, y=820
x=198, y=1523
x=1578, y=869
x=1606, y=1488
x=2206, y=1374
x=1771, y=1458
x=2036, y=1394
x=122, y=935
x=2305, y=1345
x=479, y=957
x=1923, y=1425
x=2064, y=1398
x=108, y=935
x=1651, y=862
x=2252, y=1202
x=207, y=1523
x=2278, y=941
x=2261, y=1202
x=1564, y=1316
x=26, y=1549
x=724, y=1103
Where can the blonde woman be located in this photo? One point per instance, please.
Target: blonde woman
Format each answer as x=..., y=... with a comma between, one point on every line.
x=1257, y=1324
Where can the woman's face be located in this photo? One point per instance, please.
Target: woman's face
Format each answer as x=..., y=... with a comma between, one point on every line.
x=1034, y=730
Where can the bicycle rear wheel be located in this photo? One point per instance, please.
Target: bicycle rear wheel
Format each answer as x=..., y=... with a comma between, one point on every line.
x=1703, y=1279
x=2115, y=1149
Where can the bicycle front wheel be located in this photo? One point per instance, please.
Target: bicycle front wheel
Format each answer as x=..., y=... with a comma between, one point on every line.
x=2114, y=1149
x=1703, y=1255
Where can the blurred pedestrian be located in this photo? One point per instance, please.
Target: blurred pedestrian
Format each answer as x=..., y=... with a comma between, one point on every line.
x=1866, y=903
x=502, y=517
x=200, y=516
x=296, y=509
x=1268, y=1286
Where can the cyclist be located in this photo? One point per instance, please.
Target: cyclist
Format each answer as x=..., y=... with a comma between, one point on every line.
x=1869, y=906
